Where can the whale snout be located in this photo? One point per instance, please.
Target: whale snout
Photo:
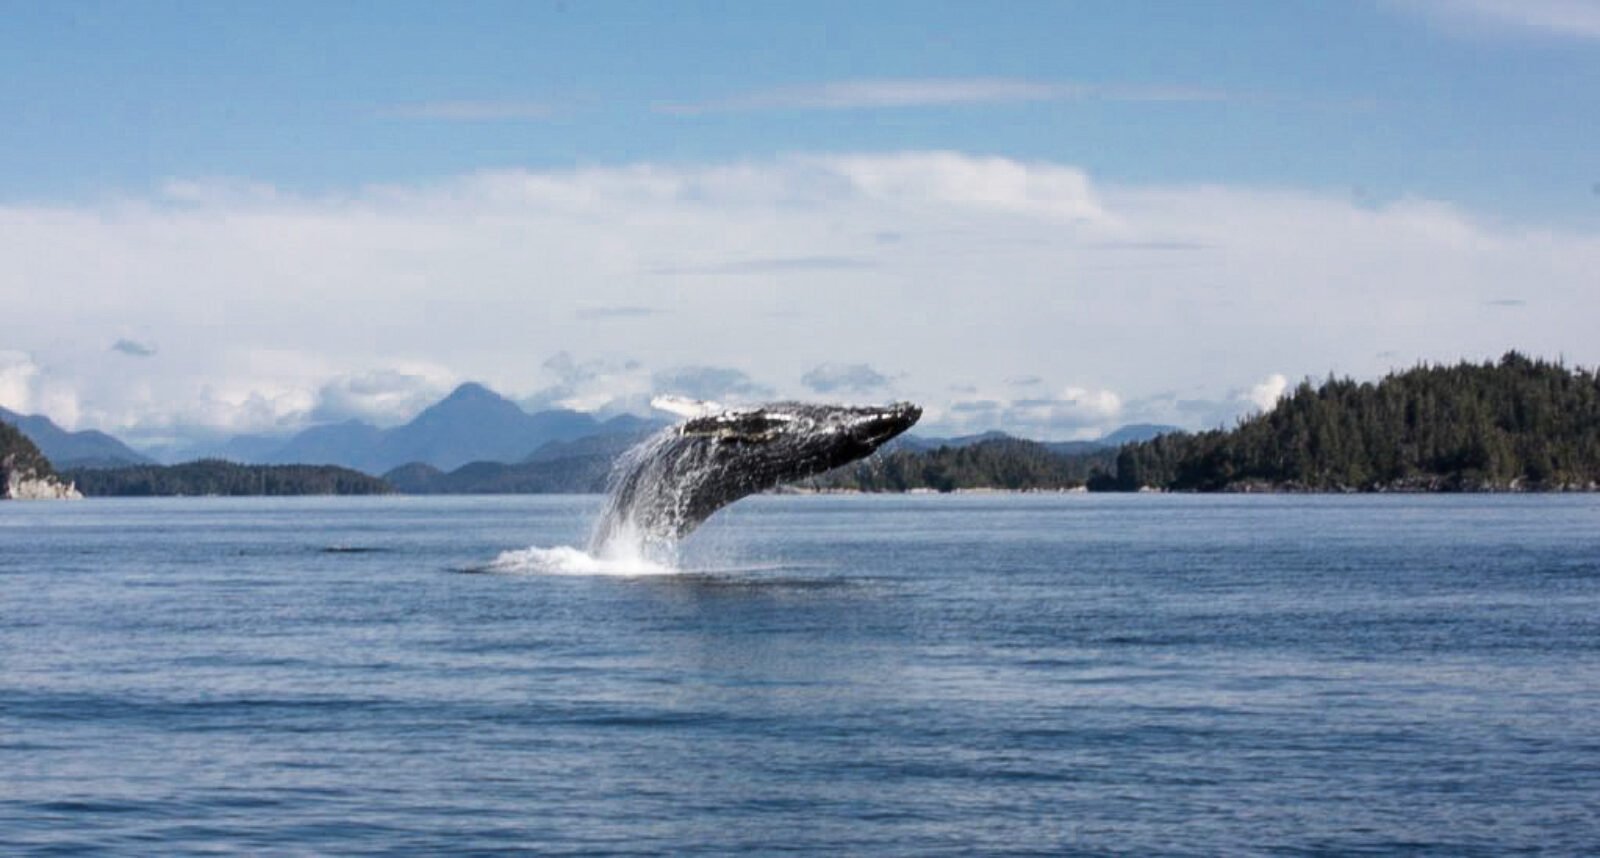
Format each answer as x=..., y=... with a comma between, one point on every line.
x=879, y=425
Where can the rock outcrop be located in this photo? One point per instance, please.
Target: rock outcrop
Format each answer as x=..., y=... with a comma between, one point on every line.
x=25, y=474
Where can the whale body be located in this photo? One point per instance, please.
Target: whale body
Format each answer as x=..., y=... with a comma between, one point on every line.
x=665, y=487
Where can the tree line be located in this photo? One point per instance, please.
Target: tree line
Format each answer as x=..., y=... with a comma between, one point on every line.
x=219, y=477
x=1003, y=463
x=1515, y=424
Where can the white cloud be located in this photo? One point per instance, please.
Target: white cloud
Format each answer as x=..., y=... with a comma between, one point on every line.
x=384, y=397
x=27, y=388
x=1578, y=19
x=17, y=371
x=1071, y=414
x=956, y=183
x=933, y=92
x=1265, y=395
x=595, y=384
x=270, y=305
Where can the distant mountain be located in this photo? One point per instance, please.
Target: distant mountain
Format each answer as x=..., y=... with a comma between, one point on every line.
x=1074, y=448
x=472, y=424
x=240, y=448
x=1130, y=434
x=611, y=444
x=579, y=474
x=920, y=442
x=87, y=449
x=1137, y=433
x=578, y=466
x=352, y=444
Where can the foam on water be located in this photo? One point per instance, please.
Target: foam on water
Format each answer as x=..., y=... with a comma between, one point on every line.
x=567, y=560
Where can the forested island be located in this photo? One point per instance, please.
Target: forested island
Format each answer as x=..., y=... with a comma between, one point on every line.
x=1517, y=425
x=1007, y=464
x=217, y=477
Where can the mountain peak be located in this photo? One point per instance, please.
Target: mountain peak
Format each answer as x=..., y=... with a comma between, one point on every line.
x=65, y=449
x=472, y=401
x=472, y=391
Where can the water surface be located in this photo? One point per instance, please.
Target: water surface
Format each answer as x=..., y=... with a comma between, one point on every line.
x=868, y=675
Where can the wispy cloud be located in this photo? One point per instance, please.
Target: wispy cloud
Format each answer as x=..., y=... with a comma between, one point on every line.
x=932, y=92
x=469, y=111
x=845, y=378
x=711, y=382
x=133, y=348
x=1578, y=19
x=774, y=265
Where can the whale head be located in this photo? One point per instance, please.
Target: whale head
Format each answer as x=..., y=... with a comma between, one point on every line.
x=793, y=440
x=667, y=486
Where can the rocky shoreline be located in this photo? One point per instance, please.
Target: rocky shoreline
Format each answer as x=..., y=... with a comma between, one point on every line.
x=25, y=474
x=20, y=482
x=21, y=487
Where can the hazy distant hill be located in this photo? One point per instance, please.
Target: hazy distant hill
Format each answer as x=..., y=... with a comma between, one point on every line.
x=579, y=474
x=350, y=444
x=921, y=442
x=1134, y=433
x=472, y=424
x=1129, y=434
x=560, y=467
x=87, y=449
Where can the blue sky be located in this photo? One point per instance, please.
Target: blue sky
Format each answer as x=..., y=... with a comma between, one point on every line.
x=123, y=120
x=1383, y=98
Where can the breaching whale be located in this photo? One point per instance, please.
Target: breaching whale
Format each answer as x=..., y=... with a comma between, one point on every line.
x=665, y=487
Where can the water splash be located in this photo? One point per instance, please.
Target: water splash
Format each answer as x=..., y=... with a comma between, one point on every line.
x=640, y=490
x=619, y=544
x=566, y=560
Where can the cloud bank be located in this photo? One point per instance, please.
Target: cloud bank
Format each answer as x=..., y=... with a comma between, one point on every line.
x=1118, y=302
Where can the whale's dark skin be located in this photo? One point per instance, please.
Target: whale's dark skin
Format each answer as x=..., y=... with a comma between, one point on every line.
x=670, y=484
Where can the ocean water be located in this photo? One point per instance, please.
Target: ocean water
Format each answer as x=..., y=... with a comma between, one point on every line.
x=828, y=675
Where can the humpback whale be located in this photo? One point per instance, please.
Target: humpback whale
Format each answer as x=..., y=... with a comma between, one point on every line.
x=665, y=487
